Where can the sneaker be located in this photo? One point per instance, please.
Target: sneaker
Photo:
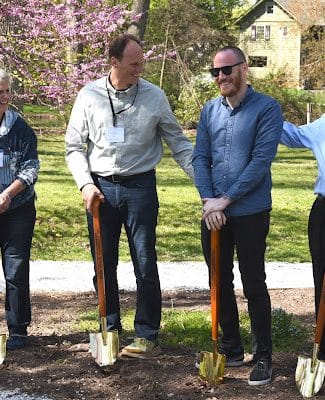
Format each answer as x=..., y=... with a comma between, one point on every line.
x=234, y=357
x=235, y=361
x=142, y=348
x=16, y=342
x=261, y=373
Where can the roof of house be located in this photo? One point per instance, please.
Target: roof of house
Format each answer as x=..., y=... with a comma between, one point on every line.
x=305, y=12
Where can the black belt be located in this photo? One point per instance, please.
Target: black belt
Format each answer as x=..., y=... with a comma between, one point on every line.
x=124, y=178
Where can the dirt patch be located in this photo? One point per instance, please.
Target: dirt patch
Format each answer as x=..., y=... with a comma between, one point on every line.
x=48, y=367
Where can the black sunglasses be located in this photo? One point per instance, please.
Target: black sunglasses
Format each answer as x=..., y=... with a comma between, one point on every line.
x=227, y=69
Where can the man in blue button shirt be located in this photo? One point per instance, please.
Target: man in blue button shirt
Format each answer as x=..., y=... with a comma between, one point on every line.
x=237, y=138
x=312, y=136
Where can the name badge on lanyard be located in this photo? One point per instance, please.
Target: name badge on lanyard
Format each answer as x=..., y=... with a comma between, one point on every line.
x=1, y=158
x=115, y=134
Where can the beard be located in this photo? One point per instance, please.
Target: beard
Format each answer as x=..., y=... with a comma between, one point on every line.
x=231, y=85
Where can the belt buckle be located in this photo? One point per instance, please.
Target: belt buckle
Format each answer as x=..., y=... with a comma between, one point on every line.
x=116, y=179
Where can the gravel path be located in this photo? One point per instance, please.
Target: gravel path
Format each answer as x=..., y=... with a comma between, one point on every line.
x=15, y=395
x=76, y=276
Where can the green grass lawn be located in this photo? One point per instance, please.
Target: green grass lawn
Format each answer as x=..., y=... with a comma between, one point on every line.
x=193, y=329
x=294, y=174
x=61, y=234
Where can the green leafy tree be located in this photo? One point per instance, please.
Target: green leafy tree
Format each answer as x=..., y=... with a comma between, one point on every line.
x=313, y=58
x=219, y=13
x=313, y=41
x=189, y=32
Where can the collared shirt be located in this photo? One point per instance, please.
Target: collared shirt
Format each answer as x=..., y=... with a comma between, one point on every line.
x=234, y=151
x=310, y=136
x=18, y=144
x=145, y=123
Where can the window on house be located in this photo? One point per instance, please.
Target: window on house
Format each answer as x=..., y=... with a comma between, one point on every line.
x=253, y=32
x=260, y=32
x=267, y=32
x=269, y=8
x=285, y=31
x=257, y=61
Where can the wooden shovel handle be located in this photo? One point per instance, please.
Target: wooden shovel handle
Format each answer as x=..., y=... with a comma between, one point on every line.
x=215, y=282
x=99, y=258
x=321, y=316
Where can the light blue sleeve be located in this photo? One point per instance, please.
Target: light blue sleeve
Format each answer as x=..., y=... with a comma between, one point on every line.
x=291, y=135
x=303, y=135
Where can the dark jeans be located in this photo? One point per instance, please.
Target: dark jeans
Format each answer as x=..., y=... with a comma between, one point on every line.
x=316, y=235
x=246, y=235
x=16, y=232
x=134, y=204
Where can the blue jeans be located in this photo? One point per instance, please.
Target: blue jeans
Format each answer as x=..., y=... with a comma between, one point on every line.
x=316, y=235
x=246, y=235
x=16, y=232
x=134, y=204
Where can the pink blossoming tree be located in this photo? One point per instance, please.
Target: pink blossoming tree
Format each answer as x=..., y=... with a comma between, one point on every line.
x=53, y=48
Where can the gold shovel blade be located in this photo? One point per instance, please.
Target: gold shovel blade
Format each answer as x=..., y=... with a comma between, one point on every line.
x=104, y=347
x=3, y=341
x=309, y=377
x=212, y=367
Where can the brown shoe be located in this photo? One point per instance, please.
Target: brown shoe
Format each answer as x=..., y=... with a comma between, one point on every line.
x=141, y=348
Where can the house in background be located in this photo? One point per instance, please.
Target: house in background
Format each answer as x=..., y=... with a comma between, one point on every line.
x=270, y=35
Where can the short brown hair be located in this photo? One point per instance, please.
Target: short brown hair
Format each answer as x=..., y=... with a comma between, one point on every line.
x=117, y=45
x=236, y=50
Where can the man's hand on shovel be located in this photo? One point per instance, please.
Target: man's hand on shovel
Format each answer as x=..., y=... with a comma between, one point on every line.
x=89, y=192
x=213, y=214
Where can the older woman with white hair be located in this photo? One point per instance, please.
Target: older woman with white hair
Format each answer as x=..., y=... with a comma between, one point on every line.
x=19, y=167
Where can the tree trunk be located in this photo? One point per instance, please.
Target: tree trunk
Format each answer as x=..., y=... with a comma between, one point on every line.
x=138, y=28
x=74, y=51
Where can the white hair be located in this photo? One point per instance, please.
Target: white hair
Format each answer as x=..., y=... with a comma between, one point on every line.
x=5, y=76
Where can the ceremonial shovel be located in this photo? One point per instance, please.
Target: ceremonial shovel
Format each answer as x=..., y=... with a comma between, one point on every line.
x=3, y=341
x=310, y=372
x=104, y=345
x=212, y=365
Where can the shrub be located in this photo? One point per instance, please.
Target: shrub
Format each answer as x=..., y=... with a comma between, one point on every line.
x=191, y=100
x=293, y=101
